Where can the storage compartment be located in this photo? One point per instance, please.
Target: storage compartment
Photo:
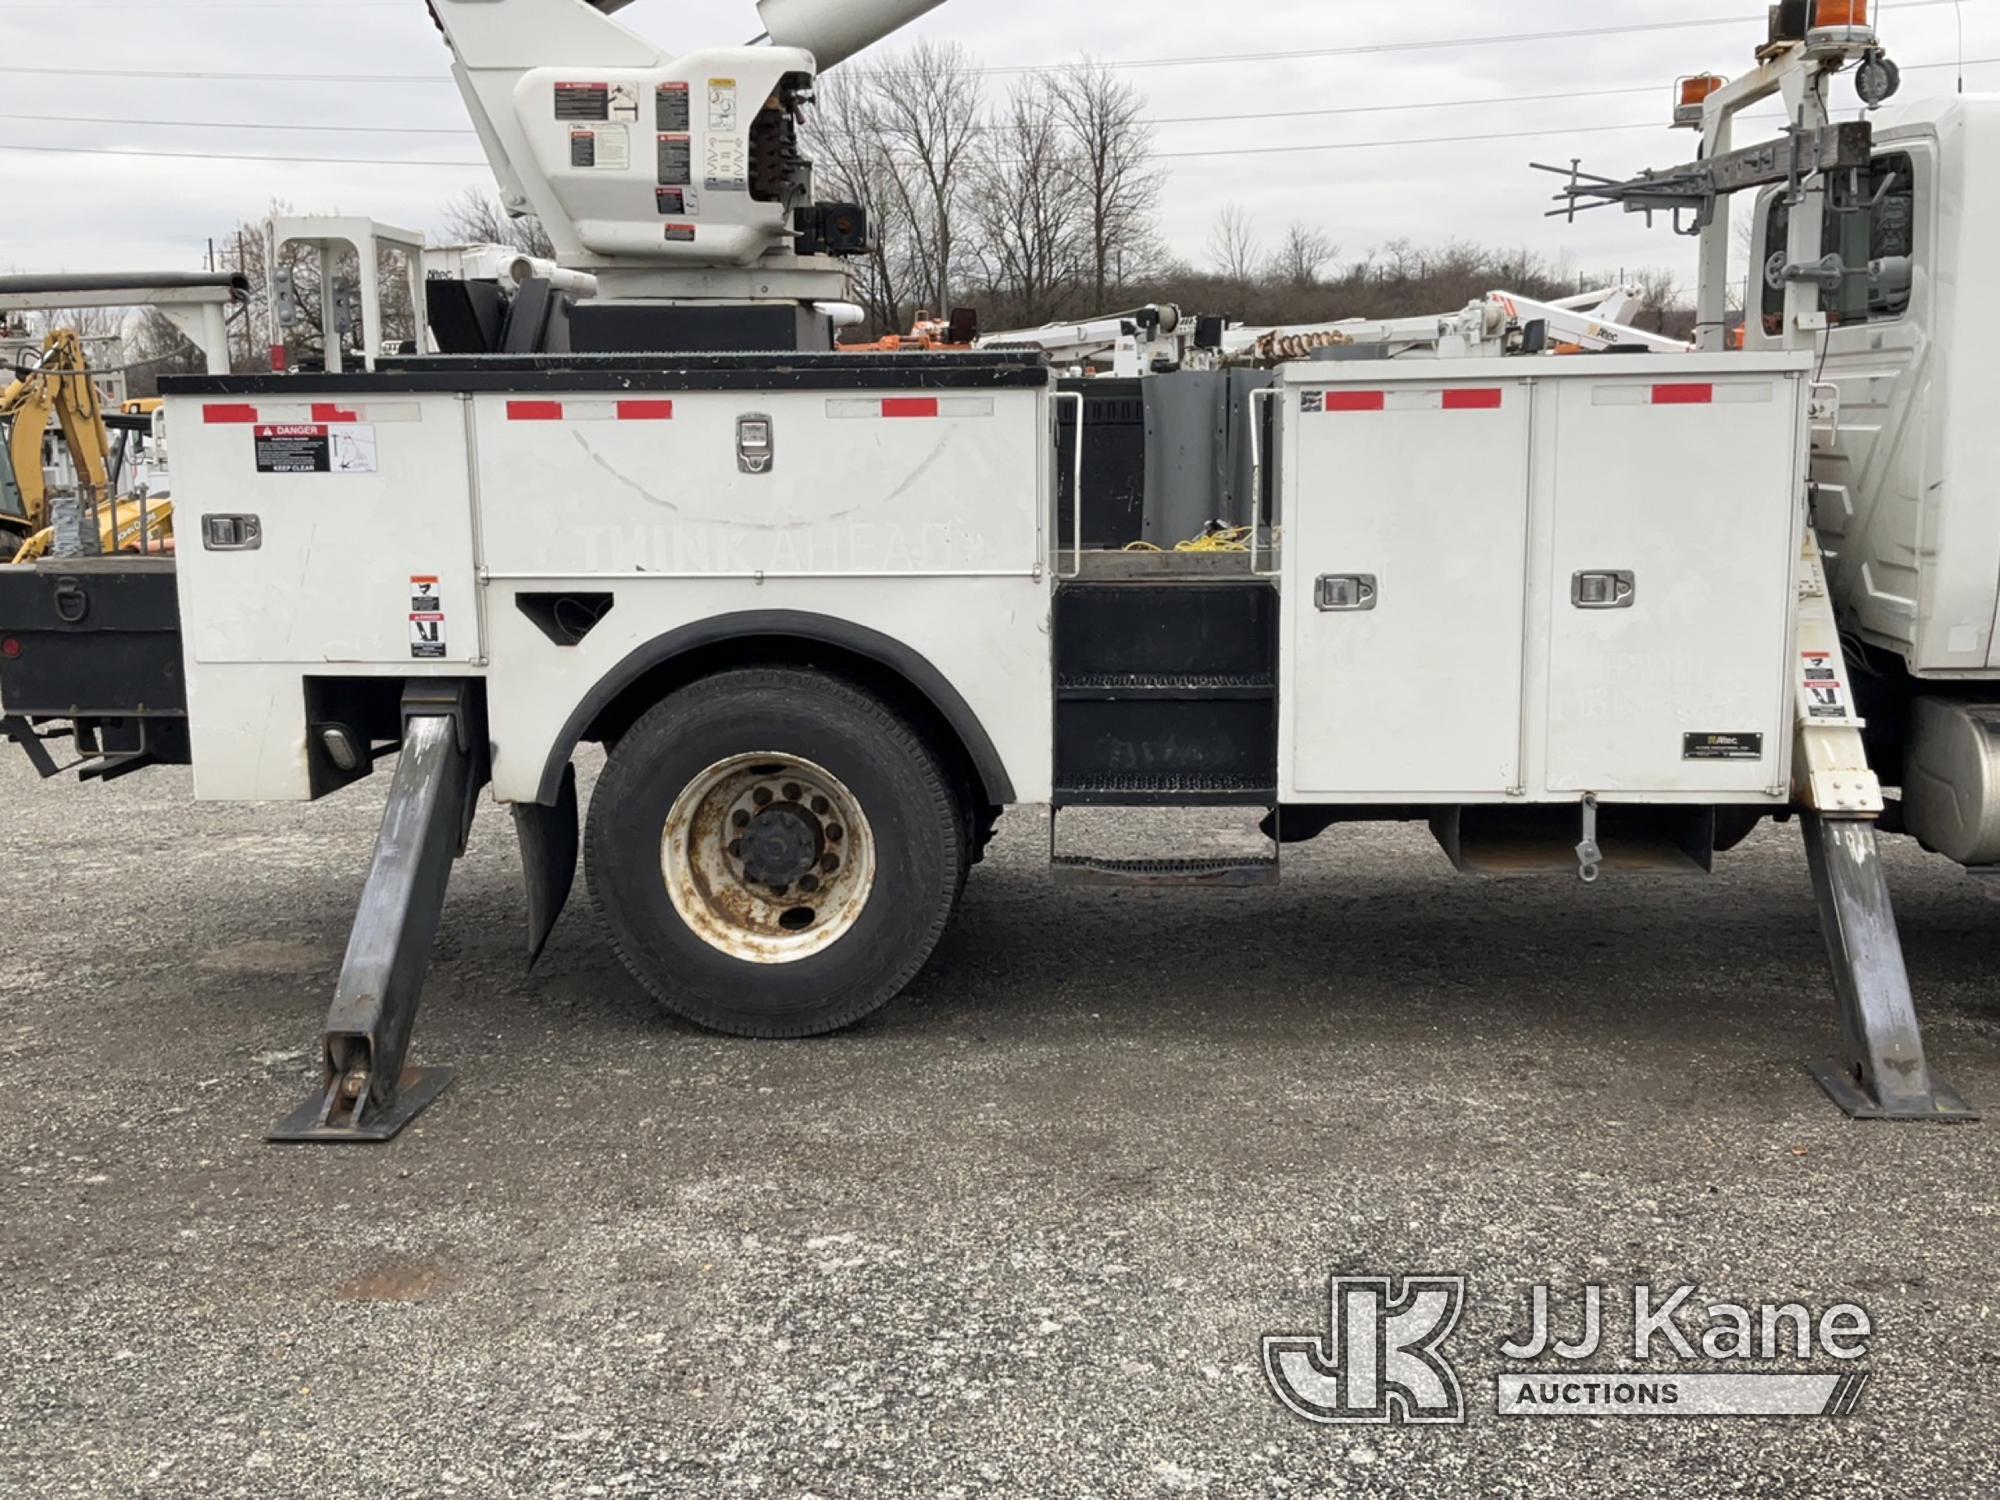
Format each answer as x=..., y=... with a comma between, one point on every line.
x=1540, y=579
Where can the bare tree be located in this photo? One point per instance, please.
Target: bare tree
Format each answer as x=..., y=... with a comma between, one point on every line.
x=925, y=108
x=1303, y=255
x=476, y=218
x=1232, y=246
x=850, y=165
x=1119, y=183
x=1026, y=207
x=155, y=348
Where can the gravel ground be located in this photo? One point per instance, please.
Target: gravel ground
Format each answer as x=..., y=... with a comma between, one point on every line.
x=1020, y=1236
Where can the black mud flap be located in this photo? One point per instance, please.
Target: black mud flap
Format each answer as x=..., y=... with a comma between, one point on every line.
x=549, y=838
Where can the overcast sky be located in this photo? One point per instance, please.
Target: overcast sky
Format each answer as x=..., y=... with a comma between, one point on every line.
x=73, y=211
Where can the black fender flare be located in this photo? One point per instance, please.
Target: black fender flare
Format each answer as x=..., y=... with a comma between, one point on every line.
x=885, y=651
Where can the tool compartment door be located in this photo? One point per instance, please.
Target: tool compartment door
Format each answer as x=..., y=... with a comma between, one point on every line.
x=1689, y=484
x=1420, y=491
x=362, y=508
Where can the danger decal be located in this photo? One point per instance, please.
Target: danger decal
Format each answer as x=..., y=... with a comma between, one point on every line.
x=427, y=620
x=314, y=448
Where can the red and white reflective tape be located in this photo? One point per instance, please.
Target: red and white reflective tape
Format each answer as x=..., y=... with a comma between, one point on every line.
x=904, y=408
x=314, y=413
x=590, y=411
x=1680, y=393
x=1459, y=398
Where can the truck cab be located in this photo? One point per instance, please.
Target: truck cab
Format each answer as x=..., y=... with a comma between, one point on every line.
x=1906, y=457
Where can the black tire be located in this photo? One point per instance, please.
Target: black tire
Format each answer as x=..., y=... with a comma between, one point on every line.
x=908, y=798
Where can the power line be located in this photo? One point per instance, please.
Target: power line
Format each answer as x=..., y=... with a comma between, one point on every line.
x=1375, y=109
x=59, y=119
x=331, y=161
x=1261, y=150
x=230, y=77
x=1221, y=119
x=1377, y=49
x=1300, y=54
x=75, y=6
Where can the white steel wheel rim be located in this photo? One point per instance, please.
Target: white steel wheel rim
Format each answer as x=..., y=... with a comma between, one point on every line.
x=768, y=858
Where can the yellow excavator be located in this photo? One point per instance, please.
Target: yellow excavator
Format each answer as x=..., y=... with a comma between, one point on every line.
x=57, y=392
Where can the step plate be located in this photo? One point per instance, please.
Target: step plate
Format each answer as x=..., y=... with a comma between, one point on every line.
x=1211, y=874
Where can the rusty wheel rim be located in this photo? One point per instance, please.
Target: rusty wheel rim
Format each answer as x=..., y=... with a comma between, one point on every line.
x=768, y=858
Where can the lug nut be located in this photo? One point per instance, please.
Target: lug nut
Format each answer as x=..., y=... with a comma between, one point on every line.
x=736, y=849
x=835, y=834
x=809, y=884
x=793, y=791
x=762, y=796
x=822, y=806
x=741, y=819
x=831, y=864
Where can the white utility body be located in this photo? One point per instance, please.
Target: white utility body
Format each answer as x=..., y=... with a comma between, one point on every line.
x=558, y=485
x=1549, y=584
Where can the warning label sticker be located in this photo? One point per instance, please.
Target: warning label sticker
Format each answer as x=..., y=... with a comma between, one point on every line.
x=726, y=165
x=583, y=101
x=680, y=234
x=679, y=201
x=608, y=148
x=427, y=637
x=1819, y=667
x=722, y=104
x=427, y=627
x=624, y=102
x=1826, y=700
x=315, y=449
x=675, y=106
x=1722, y=747
x=676, y=160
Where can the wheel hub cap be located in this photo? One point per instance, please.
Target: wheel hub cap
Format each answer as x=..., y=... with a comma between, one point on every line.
x=781, y=847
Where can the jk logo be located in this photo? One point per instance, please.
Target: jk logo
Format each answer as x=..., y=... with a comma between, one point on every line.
x=1380, y=1359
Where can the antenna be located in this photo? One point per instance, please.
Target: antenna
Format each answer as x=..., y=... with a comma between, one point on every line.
x=1958, y=7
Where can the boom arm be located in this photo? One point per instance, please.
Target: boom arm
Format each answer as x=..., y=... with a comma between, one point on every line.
x=635, y=159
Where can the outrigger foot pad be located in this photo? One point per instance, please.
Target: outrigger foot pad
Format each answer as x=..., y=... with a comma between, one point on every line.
x=1943, y=1105
x=329, y=1119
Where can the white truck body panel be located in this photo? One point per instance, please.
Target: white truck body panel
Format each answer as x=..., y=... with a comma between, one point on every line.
x=916, y=515
x=1472, y=494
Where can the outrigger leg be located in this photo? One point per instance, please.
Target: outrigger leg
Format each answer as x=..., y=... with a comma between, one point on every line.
x=367, y=1094
x=1882, y=1073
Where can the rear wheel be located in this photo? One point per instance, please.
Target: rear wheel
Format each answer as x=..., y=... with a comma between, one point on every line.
x=775, y=852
